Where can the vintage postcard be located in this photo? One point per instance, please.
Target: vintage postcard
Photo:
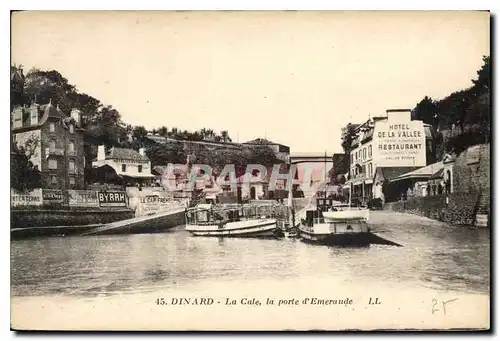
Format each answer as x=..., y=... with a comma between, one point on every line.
x=250, y=171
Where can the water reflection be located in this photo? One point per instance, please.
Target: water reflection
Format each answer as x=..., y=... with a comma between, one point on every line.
x=433, y=255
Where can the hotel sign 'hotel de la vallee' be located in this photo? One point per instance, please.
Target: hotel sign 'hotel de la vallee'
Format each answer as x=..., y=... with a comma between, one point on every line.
x=394, y=142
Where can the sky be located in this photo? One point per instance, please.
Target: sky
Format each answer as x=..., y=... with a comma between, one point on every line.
x=292, y=77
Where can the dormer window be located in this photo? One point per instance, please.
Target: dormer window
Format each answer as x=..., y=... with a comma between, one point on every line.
x=52, y=127
x=17, y=117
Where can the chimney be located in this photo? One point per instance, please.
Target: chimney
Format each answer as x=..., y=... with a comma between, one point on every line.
x=141, y=151
x=76, y=115
x=34, y=114
x=101, y=153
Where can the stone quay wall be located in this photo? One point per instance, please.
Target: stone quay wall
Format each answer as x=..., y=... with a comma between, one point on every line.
x=456, y=208
x=471, y=195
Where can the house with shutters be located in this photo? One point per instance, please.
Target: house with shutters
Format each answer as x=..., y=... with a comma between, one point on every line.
x=123, y=165
x=53, y=140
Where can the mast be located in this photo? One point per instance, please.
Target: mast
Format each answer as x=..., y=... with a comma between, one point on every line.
x=290, y=202
x=325, y=173
x=350, y=192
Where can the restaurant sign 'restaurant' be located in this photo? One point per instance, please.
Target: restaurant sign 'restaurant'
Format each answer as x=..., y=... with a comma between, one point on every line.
x=399, y=141
x=112, y=199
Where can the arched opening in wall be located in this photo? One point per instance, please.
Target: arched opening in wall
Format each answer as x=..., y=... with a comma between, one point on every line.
x=252, y=193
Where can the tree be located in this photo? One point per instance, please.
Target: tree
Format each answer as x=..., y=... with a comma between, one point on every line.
x=426, y=111
x=45, y=86
x=483, y=81
x=24, y=175
x=139, y=132
x=348, y=136
x=225, y=136
x=163, y=154
x=163, y=131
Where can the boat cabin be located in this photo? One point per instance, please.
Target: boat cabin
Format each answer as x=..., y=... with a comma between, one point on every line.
x=209, y=214
x=315, y=214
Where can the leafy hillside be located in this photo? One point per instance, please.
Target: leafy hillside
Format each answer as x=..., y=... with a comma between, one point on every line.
x=104, y=125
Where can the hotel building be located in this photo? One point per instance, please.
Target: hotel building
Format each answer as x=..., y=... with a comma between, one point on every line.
x=394, y=144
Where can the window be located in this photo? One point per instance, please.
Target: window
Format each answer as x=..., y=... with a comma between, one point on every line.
x=71, y=146
x=71, y=164
x=72, y=180
x=139, y=168
x=71, y=128
x=364, y=153
x=52, y=127
x=52, y=163
x=53, y=179
x=124, y=168
x=52, y=145
x=370, y=151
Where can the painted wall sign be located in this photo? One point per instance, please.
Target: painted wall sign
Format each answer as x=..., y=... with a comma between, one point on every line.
x=153, y=204
x=33, y=198
x=112, y=199
x=83, y=198
x=52, y=196
x=399, y=141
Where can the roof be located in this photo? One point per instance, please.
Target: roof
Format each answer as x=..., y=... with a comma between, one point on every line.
x=438, y=175
x=45, y=111
x=126, y=154
x=421, y=173
x=389, y=173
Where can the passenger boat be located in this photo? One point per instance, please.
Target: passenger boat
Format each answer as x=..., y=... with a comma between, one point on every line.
x=230, y=221
x=333, y=223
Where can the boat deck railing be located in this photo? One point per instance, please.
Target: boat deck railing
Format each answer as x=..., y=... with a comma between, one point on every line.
x=217, y=214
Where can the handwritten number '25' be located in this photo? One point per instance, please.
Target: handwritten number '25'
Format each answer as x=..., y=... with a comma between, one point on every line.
x=444, y=303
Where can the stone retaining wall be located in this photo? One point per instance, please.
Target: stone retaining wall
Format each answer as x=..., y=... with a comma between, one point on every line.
x=36, y=217
x=459, y=209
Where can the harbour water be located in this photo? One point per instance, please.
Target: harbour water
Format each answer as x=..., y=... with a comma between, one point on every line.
x=434, y=258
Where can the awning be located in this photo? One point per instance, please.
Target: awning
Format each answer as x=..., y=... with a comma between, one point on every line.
x=421, y=173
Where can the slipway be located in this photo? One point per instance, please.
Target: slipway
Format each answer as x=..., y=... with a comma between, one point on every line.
x=158, y=222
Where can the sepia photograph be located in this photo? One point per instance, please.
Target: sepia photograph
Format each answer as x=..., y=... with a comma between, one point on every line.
x=250, y=171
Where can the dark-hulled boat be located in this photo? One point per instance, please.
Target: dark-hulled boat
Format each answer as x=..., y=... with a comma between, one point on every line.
x=333, y=223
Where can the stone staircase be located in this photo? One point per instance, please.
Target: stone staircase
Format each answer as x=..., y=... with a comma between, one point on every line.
x=483, y=210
